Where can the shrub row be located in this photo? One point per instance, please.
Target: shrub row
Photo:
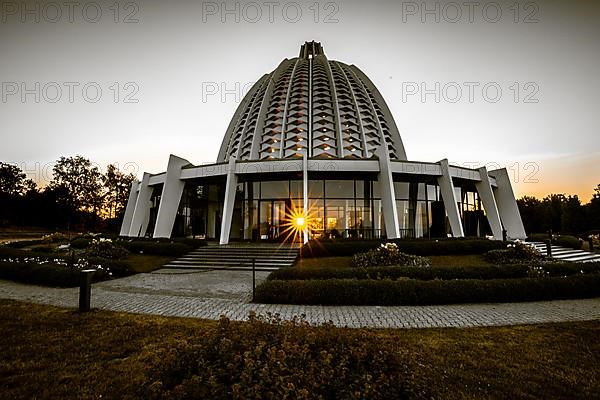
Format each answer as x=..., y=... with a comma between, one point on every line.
x=43, y=274
x=429, y=273
x=419, y=247
x=23, y=243
x=270, y=359
x=420, y=292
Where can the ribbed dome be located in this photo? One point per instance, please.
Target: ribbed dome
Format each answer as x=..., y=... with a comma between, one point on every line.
x=309, y=104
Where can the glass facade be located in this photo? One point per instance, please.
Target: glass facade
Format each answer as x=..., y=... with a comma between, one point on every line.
x=349, y=208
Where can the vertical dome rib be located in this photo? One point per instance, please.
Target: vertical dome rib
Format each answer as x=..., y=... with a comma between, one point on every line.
x=363, y=141
x=308, y=104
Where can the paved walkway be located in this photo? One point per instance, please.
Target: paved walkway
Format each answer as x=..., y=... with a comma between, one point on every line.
x=211, y=294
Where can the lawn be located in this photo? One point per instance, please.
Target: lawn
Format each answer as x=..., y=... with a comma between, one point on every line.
x=142, y=263
x=48, y=352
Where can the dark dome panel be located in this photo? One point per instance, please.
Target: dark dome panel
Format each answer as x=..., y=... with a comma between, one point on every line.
x=310, y=105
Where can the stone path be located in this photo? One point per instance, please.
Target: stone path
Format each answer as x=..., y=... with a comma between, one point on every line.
x=211, y=294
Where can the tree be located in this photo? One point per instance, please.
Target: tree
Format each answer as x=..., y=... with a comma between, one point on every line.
x=116, y=185
x=13, y=180
x=573, y=215
x=82, y=184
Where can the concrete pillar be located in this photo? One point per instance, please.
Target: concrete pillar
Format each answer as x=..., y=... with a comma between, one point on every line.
x=230, y=189
x=507, y=205
x=170, y=198
x=141, y=215
x=484, y=189
x=130, y=208
x=388, y=198
x=450, y=201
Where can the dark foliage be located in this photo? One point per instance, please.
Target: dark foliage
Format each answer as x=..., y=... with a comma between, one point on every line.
x=429, y=273
x=269, y=359
x=44, y=274
x=419, y=247
x=424, y=292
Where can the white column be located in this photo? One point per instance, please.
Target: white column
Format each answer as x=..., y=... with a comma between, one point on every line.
x=170, y=198
x=141, y=215
x=230, y=189
x=388, y=198
x=450, y=202
x=484, y=189
x=130, y=208
x=305, y=196
x=507, y=205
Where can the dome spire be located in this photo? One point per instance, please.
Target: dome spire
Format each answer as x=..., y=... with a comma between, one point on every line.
x=311, y=49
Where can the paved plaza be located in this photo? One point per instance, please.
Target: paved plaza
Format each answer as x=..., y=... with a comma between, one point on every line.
x=210, y=294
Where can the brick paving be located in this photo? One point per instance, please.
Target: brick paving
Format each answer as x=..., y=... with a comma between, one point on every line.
x=214, y=293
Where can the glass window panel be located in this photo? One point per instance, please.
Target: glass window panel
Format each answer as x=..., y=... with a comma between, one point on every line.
x=360, y=189
x=432, y=192
x=296, y=189
x=421, y=192
x=315, y=189
x=317, y=217
x=339, y=189
x=401, y=190
x=274, y=190
x=376, y=190
x=403, y=214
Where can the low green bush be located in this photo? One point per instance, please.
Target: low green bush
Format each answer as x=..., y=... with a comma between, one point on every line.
x=24, y=243
x=568, y=241
x=118, y=268
x=266, y=358
x=107, y=249
x=47, y=274
x=397, y=272
x=419, y=247
x=514, y=253
x=9, y=252
x=387, y=254
x=426, y=292
x=558, y=240
x=431, y=273
x=81, y=242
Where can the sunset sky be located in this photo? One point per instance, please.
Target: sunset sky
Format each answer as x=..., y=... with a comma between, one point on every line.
x=171, y=75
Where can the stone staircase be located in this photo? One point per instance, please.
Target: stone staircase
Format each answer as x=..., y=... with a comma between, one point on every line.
x=237, y=257
x=567, y=254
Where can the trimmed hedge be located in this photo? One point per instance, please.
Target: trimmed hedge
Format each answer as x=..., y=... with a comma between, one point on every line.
x=421, y=292
x=8, y=252
x=418, y=247
x=429, y=273
x=24, y=243
x=43, y=274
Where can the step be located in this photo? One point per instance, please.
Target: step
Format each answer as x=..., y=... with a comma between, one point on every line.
x=183, y=263
x=220, y=268
x=586, y=257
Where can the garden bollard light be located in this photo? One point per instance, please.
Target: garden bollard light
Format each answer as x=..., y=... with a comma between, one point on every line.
x=85, y=289
x=549, y=248
x=591, y=242
x=504, y=236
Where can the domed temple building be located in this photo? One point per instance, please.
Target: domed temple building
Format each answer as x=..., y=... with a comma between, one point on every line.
x=313, y=151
